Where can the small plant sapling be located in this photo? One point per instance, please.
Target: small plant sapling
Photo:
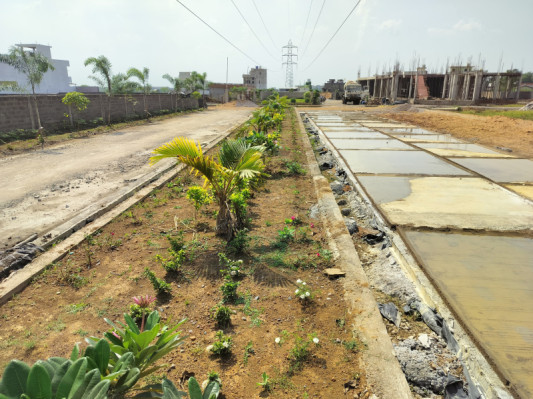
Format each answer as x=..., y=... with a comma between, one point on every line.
x=229, y=290
x=160, y=286
x=222, y=345
x=265, y=383
x=303, y=292
x=222, y=315
x=232, y=268
x=286, y=235
x=199, y=197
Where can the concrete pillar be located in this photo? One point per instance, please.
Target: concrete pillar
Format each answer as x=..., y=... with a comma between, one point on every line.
x=517, y=96
x=380, y=87
x=415, y=95
x=444, y=86
x=496, y=88
x=395, y=85
x=454, y=82
x=466, y=87
x=410, y=87
x=477, y=85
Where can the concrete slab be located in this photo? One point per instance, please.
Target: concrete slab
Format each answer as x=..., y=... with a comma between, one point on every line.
x=427, y=138
x=488, y=281
x=525, y=191
x=370, y=144
x=354, y=134
x=346, y=128
x=449, y=202
x=385, y=125
x=407, y=130
x=500, y=170
x=398, y=162
x=461, y=150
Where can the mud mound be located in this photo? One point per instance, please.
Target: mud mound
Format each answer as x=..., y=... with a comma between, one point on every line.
x=245, y=103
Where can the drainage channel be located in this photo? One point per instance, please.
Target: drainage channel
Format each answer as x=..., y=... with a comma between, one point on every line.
x=411, y=225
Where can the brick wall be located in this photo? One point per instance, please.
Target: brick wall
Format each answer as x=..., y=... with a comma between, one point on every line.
x=18, y=111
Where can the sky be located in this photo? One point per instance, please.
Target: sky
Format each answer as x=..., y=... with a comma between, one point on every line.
x=165, y=37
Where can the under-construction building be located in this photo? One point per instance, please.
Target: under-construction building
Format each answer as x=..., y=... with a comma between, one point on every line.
x=459, y=84
x=257, y=77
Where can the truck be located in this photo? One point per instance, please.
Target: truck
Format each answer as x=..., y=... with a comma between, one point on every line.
x=353, y=92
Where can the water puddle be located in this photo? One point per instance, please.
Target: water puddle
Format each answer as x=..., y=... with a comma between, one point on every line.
x=370, y=144
x=398, y=162
x=500, y=170
x=488, y=281
x=384, y=189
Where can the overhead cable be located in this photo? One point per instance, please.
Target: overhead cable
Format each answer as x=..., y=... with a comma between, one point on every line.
x=214, y=30
x=249, y=26
x=314, y=27
x=306, y=21
x=261, y=18
x=332, y=37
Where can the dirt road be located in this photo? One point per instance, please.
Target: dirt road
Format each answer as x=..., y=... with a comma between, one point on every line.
x=42, y=189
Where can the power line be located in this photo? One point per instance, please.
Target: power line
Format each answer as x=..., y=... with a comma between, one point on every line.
x=314, y=27
x=214, y=30
x=306, y=21
x=267, y=31
x=332, y=37
x=249, y=26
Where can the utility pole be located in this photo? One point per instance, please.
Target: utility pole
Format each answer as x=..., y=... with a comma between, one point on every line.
x=226, y=94
x=288, y=52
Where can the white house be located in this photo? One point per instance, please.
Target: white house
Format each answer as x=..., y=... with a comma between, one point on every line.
x=56, y=81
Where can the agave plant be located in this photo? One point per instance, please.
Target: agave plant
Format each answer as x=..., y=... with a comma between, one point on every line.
x=237, y=161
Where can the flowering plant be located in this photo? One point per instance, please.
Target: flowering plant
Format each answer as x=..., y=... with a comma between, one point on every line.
x=222, y=345
x=303, y=292
x=232, y=267
x=141, y=307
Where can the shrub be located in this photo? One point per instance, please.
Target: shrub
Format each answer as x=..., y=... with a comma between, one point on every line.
x=199, y=197
x=307, y=97
x=229, y=290
x=239, y=206
x=161, y=287
x=286, y=235
x=232, y=268
x=222, y=345
x=303, y=292
x=222, y=315
x=240, y=243
x=295, y=168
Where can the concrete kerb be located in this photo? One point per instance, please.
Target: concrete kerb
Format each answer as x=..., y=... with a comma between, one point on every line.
x=479, y=369
x=95, y=217
x=383, y=371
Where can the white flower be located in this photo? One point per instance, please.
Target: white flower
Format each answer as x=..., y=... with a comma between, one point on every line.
x=296, y=292
x=298, y=281
x=302, y=296
x=307, y=293
x=233, y=273
x=304, y=283
x=277, y=340
x=316, y=340
x=226, y=344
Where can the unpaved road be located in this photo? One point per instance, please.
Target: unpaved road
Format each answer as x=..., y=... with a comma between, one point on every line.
x=43, y=189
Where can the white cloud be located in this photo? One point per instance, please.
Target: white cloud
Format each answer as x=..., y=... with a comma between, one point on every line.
x=389, y=24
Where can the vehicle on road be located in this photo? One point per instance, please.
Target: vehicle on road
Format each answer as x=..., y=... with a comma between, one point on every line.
x=353, y=92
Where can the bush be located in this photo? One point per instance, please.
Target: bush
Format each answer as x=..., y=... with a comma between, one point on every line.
x=307, y=97
x=240, y=243
x=161, y=287
x=222, y=345
x=222, y=315
x=229, y=290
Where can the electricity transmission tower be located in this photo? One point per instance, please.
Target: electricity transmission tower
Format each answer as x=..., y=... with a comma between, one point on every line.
x=288, y=52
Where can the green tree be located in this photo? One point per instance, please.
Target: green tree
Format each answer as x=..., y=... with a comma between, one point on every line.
x=527, y=77
x=102, y=67
x=177, y=84
x=237, y=161
x=120, y=84
x=33, y=65
x=77, y=100
x=143, y=79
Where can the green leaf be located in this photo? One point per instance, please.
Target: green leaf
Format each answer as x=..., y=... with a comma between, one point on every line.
x=75, y=353
x=101, y=358
x=98, y=392
x=211, y=390
x=170, y=391
x=195, y=392
x=111, y=338
x=131, y=324
x=15, y=378
x=49, y=368
x=39, y=385
x=73, y=379
x=59, y=374
x=152, y=319
x=144, y=338
x=128, y=380
x=91, y=379
x=125, y=362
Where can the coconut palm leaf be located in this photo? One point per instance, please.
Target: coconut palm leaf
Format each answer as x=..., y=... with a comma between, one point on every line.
x=179, y=147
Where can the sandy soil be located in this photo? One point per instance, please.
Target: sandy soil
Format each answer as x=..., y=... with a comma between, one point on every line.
x=43, y=189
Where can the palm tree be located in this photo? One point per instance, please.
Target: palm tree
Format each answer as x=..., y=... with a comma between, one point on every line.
x=121, y=85
x=143, y=78
x=237, y=162
x=33, y=65
x=102, y=67
x=177, y=86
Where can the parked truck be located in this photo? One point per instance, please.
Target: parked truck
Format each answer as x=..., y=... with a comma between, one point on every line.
x=353, y=92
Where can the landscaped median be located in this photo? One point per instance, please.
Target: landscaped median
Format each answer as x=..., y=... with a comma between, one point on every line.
x=246, y=273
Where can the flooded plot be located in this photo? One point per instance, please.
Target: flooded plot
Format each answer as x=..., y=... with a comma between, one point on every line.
x=427, y=138
x=370, y=144
x=488, y=280
x=526, y=191
x=449, y=202
x=500, y=170
x=407, y=130
x=398, y=162
x=354, y=134
x=461, y=150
